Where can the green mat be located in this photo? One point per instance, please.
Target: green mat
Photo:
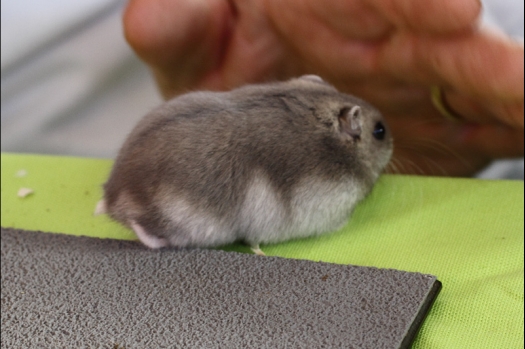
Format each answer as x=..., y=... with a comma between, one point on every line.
x=467, y=232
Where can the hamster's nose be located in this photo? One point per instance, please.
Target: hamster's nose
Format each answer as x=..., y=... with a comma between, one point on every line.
x=379, y=131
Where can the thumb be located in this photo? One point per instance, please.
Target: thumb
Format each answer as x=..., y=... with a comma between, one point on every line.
x=181, y=40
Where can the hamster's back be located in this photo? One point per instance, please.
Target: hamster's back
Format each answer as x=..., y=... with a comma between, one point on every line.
x=207, y=151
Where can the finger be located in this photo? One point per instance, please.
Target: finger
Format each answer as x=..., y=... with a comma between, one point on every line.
x=435, y=148
x=465, y=165
x=484, y=111
x=488, y=141
x=181, y=40
x=254, y=52
x=496, y=142
x=349, y=18
x=430, y=16
x=481, y=65
x=395, y=98
x=317, y=45
x=455, y=149
x=479, y=62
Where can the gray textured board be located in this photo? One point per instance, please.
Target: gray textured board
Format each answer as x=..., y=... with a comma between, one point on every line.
x=63, y=291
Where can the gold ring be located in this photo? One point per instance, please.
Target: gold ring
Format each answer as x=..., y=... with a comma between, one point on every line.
x=436, y=94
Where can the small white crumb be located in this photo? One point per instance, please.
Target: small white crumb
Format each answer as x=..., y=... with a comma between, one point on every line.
x=100, y=208
x=23, y=192
x=21, y=173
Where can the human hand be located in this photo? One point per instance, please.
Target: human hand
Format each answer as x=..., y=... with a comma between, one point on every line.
x=387, y=52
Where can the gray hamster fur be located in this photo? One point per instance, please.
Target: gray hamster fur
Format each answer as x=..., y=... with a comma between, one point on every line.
x=261, y=164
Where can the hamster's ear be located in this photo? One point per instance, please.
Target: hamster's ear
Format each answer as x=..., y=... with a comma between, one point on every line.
x=311, y=77
x=350, y=121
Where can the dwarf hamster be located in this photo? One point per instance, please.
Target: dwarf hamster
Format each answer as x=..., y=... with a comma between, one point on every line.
x=261, y=164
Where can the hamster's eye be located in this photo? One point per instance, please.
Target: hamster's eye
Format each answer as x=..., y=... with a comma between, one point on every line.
x=379, y=131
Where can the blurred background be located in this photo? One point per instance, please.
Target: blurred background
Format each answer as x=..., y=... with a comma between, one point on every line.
x=72, y=86
x=70, y=83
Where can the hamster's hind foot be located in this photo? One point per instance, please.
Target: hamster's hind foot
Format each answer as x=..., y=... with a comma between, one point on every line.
x=100, y=208
x=147, y=239
x=257, y=250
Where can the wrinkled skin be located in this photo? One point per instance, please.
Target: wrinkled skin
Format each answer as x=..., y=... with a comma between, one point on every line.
x=386, y=51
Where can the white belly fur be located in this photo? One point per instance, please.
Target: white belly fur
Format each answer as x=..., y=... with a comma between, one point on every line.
x=317, y=207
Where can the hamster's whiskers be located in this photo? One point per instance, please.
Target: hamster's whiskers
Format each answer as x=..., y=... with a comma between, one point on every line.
x=444, y=149
x=393, y=166
x=405, y=165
